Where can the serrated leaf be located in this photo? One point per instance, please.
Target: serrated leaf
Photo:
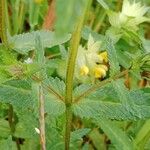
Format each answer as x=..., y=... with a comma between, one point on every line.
x=81, y=89
x=54, y=106
x=54, y=135
x=63, y=51
x=112, y=56
x=116, y=135
x=121, y=91
x=54, y=92
x=88, y=31
x=24, y=43
x=114, y=33
x=16, y=93
x=123, y=59
x=57, y=84
x=109, y=102
x=91, y=108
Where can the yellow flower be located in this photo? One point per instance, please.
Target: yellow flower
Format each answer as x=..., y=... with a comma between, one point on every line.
x=104, y=67
x=84, y=70
x=90, y=62
x=100, y=71
x=104, y=56
x=38, y=1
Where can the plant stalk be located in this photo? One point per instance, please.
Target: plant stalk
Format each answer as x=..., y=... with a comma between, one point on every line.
x=74, y=44
x=40, y=58
x=12, y=125
x=3, y=28
x=42, y=118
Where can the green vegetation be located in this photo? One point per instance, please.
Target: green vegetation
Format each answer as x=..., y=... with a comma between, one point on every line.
x=75, y=74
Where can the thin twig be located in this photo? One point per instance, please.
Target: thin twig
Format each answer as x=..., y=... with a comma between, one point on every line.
x=48, y=87
x=40, y=59
x=51, y=90
x=95, y=87
x=41, y=118
x=53, y=55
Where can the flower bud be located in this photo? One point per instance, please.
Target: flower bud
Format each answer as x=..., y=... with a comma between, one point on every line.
x=99, y=72
x=84, y=70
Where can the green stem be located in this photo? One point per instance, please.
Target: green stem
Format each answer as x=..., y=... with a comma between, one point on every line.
x=12, y=125
x=21, y=16
x=40, y=58
x=3, y=21
x=76, y=36
x=33, y=14
x=16, y=7
x=7, y=16
x=42, y=118
x=100, y=21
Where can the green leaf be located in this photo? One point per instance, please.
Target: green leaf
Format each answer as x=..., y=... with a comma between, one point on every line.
x=54, y=106
x=78, y=134
x=116, y=135
x=67, y=13
x=112, y=102
x=89, y=108
x=114, y=33
x=24, y=43
x=56, y=84
x=88, y=31
x=123, y=59
x=30, y=144
x=54, y=135
x=8, y=144
x=17, y=93
x=146, y=45
x=27, y=122
x=4, y=128
x=7, y=57
x=54, y=92
x=103, y=3
x=112, y=56
x=121, y=91
x=98, y=139
x=63, y=51
x=142, y=136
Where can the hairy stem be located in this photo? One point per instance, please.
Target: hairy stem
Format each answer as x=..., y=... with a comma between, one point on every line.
x=76, y=36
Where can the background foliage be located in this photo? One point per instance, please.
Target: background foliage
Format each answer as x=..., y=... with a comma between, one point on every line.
x=109, y=113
